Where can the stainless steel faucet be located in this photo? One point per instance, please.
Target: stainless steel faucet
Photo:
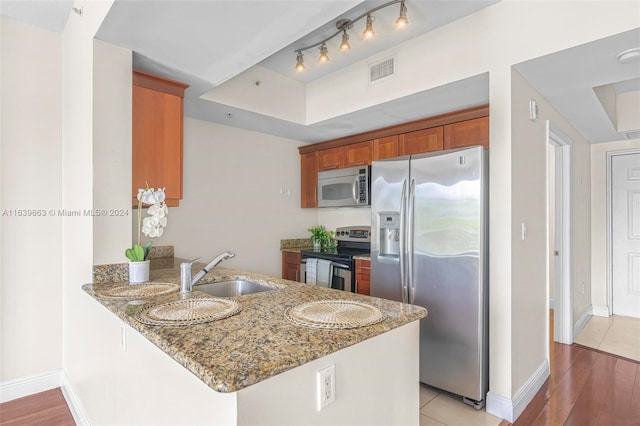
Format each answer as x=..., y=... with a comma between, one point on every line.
x=187, y=282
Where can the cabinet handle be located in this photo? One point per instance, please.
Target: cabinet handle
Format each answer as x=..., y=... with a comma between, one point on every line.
x=297, y=275
x=360, y=163
x=329, y=168
x=356, y=286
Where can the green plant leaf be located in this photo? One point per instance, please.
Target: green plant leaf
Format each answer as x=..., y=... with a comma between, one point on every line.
x=139, y=252
x=147, y=250
x=130, y=254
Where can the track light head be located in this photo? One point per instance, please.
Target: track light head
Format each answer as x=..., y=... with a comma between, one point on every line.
x=402, y=20
x=299, y=62
x=368, y=31
x=324, y=53
x=344, y=45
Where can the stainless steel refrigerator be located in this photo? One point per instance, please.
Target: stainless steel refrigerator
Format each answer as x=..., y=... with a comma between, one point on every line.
x=429, y=248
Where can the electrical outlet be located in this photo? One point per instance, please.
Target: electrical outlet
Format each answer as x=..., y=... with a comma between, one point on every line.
x=326, y=386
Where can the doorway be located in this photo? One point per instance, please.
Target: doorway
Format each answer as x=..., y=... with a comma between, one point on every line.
x=558, y=233
x=623, y=226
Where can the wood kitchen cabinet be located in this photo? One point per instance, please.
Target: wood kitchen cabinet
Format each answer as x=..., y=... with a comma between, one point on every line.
x=309, y=180
x=425, y=140
x=358, y=154
x=329, y=159
x=363, y=276
x=467, y=133
x=291, y=266
x=385, y=147
x=157, y=122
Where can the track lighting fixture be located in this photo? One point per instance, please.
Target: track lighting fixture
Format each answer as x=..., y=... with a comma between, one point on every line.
x=346, y=24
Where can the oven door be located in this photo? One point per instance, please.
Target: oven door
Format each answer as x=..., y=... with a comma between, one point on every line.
x=341, y=279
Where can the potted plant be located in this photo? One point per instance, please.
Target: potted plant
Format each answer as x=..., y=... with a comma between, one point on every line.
x=320, y=237
x=152, y=226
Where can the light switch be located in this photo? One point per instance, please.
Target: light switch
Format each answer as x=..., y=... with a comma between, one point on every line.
x=524, y=231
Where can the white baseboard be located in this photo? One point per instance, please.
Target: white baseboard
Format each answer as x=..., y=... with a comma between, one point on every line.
x=26, y=386
x=510, y=409
x=600, y=310
x=582, y=321
x=552, y=303
x=76, y=408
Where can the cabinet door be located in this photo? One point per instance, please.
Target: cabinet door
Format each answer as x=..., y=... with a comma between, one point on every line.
x=385, y=147
x=358, y=154
x=291, y=266
x=157, y=117
x=309, y=180
x=363, y=277
x=467, y=133
x=421, y=141
x=332, y=158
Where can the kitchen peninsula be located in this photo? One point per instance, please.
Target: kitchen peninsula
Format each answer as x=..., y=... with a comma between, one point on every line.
x=257, y=367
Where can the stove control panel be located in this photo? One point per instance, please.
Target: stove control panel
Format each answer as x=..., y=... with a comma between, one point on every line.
x=354, y=233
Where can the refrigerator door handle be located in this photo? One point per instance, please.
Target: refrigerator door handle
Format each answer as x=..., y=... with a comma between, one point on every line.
x=403, y=212
x=412, y=196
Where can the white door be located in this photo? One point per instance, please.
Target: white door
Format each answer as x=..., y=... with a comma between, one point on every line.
x=625, y=234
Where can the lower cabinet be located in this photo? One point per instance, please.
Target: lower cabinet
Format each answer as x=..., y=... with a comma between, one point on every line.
x=363, y=276
x=291, y=266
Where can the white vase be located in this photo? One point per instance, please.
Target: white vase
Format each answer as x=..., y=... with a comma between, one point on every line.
x=138, y=272
x=316, y=246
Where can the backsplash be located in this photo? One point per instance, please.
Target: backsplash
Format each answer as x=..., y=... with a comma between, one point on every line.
x=160, y=256
x=333, y=218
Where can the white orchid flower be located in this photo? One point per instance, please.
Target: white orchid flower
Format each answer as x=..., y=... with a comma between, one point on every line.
x=160, y=195
x=146, y=196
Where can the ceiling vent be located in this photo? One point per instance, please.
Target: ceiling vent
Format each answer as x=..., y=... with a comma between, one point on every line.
x=381, y=70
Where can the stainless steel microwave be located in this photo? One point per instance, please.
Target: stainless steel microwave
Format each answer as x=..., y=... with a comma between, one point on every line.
x=345, y=187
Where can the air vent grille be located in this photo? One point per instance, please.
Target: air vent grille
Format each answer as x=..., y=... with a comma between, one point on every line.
x=382, y=69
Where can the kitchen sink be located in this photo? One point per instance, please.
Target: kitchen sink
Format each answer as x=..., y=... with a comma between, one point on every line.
x=232, y=288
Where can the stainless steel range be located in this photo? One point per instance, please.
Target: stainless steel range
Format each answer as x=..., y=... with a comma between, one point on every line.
x=352, y=241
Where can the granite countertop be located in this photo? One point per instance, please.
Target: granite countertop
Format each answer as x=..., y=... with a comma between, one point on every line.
x=259, y=342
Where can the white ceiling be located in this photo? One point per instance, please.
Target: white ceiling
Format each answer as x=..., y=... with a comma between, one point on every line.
x=205, y=43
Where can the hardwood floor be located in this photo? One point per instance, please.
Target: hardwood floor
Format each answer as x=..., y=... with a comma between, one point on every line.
x=46, y=408
x=585, y=387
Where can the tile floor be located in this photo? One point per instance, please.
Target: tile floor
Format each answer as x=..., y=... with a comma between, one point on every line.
x=615, y=334
x=438, y=409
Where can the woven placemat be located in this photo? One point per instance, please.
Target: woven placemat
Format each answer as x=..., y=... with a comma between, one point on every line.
x=335, y=314
x=188, y=311
x=138, y=291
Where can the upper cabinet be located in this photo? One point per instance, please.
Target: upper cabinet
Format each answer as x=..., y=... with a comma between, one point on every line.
x=329, y=159
x=157, y=123
x=358, y=154
x=467, y=133
x=451, y=130
x=425, y=140
x=309, y=180
x=385, y=147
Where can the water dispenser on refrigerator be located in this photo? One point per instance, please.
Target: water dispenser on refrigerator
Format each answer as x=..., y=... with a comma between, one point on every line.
x=389, y=233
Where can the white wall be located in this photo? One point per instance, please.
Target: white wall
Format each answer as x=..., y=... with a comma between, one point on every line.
x=529, y=150
x=31, y=286
x=111, y=152
x=599, y=297
x=232, y=200
x=81, y=342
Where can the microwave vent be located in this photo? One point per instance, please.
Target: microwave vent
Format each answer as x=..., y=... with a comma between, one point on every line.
x=381, y=70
